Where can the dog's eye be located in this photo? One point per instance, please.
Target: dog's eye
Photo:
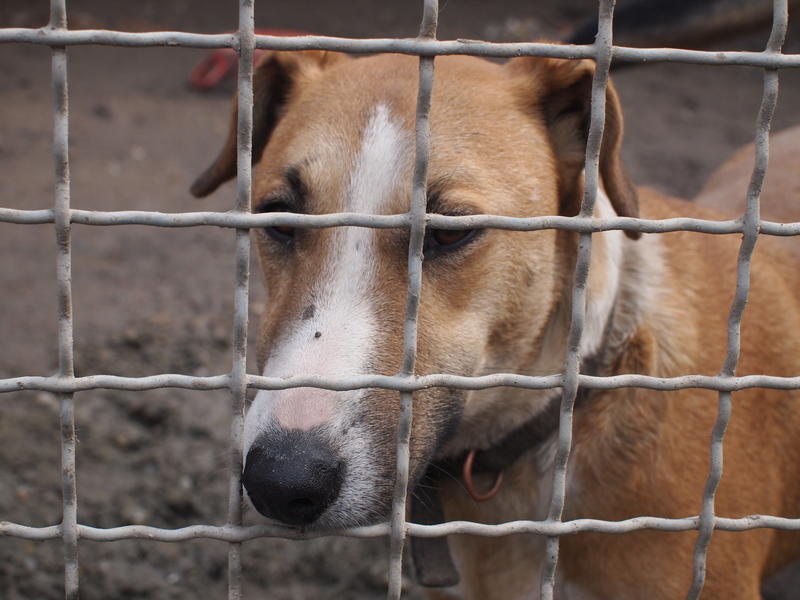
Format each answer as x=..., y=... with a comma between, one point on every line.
x=280, y=233
x=448, y=237
x=439, y=241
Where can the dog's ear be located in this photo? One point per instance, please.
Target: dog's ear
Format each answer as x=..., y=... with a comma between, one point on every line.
x=559, y=91
x=275, y=78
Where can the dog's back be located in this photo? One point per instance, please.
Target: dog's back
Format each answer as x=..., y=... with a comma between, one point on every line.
x=726, y=189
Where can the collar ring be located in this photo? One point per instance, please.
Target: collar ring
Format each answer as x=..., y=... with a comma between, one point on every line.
x=466, y=472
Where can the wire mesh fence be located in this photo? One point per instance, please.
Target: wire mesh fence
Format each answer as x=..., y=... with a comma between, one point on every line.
x=58, y=37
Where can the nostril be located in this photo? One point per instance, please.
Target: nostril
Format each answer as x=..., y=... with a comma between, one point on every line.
x=301, y=504
x=304, y=509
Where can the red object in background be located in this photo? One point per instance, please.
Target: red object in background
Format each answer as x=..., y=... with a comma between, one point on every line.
x=221, y=63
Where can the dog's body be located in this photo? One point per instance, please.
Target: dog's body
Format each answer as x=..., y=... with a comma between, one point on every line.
x=337, y=135
x=638, y=452
x=724, y=190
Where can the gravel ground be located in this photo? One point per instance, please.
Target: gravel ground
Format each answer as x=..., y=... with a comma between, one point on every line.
x=151, y=301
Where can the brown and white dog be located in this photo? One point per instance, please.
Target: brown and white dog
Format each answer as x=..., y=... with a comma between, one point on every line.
x=332, y=135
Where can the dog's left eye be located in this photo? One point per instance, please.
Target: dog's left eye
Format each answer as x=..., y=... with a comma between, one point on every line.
x=439, y=241
x=279, y=233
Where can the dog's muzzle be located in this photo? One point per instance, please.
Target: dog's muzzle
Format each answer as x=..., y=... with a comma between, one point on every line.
x=292, y=476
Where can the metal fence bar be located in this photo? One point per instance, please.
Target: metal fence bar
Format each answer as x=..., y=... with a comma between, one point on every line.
x=544, y=528
x=69, y=523
x=238, y=378
x=427, y=30
x=248, y=220
x=58, y=385
x=572, y=360
x=44, y=36
x=751, y=220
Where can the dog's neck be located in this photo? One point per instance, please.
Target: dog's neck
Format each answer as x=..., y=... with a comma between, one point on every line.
x=618, y=288
x=515, y=422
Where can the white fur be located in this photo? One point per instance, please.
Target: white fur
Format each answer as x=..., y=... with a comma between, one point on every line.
x=344, y=317
x=602, y=285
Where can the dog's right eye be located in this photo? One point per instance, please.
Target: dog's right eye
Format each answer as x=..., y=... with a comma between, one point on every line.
x=443, y=241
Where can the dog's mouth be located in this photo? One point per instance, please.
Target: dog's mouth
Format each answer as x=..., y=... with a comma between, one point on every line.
x=328, y=500
x=342, y=474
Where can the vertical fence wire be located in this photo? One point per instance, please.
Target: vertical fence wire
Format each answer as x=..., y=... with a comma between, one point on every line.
x=238, y=379
x=603, y=46
x=417, y=211
x=69, y=523
x=751, y=219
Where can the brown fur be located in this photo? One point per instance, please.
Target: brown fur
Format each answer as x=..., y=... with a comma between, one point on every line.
x=639, y=452
x=510, y=140
x=726, y=189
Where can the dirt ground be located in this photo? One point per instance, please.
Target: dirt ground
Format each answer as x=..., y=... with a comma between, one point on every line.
x=149, y=300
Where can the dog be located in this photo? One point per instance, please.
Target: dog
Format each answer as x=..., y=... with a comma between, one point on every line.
x=335, y=134
x=724, y=190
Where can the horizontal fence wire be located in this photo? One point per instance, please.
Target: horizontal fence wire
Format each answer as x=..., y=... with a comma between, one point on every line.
x=393, y=382
x=426, y=46
x=50, y=37
x=247, y=220
x=546, y=528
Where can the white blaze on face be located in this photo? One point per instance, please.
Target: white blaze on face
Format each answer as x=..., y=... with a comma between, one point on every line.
x=340, y=336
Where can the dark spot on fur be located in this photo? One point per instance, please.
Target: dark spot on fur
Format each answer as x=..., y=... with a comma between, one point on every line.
x=308, y=312
x=318, y=334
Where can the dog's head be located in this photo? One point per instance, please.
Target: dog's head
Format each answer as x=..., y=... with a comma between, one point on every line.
x=333, y=134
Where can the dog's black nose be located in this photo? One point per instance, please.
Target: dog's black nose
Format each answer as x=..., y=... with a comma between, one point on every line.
x=292, y=476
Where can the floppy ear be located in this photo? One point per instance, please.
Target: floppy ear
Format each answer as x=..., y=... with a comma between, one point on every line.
x=559, y=90
x=275, y=78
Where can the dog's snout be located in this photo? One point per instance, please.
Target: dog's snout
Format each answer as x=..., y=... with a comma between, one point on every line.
x=292, y=476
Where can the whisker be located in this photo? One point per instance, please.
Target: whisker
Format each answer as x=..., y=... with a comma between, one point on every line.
x=419, y=499
x=448, y=474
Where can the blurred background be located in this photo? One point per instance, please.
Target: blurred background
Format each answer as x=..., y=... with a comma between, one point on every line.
x=151, y=300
